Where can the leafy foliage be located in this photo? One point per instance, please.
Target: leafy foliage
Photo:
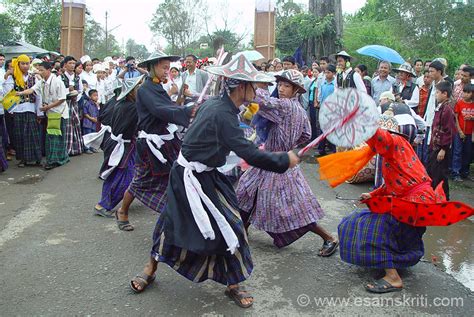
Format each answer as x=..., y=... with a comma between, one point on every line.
x=423, y=29
x=9, y=33
x=94, y=40
x=139, y=51
x=178, y=23
x=38, y=21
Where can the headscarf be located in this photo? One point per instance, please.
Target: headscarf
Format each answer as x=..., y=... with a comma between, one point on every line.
x=230, y=83
x=17, y=73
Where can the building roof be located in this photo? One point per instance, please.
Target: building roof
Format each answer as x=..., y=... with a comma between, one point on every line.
x=20, y=47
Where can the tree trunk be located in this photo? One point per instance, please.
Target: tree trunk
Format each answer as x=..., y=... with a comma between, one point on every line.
x=329, y=42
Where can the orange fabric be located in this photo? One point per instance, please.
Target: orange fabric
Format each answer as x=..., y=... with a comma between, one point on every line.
x=339, y=167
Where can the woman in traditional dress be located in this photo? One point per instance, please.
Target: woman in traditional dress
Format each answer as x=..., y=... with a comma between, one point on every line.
x=157, y=143
x=209, y=242
x=283, y=205
x=26, y=129
x=119, y=149
x=380, y=240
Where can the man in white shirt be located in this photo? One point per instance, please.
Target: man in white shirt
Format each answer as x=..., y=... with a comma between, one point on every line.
x=53, y=93
x=194, y=78
x=2, y=70
x=383, y=82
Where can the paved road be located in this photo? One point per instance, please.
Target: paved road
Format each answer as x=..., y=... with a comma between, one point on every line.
x=58, y=259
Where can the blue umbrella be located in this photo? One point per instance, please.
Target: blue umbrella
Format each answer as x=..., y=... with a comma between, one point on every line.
x=382, y=53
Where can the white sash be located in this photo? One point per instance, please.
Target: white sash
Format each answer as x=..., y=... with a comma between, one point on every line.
x=116, y=156
x=195, y=194
x=94, y=140
x=155, y=141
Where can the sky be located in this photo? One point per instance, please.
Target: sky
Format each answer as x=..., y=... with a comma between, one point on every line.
x=132, y=17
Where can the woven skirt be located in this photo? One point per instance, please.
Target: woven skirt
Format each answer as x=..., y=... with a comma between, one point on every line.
x=227, y=269
x=147, y=188
x=27, y=137
x=379, y=241
x=75, y=143
x=116, y=184
x=56, y=148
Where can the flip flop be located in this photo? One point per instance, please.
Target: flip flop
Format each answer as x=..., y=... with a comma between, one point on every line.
x=123, y=225
x=103, y=213
x=237, y=294
x=328, y=249
x=382, y=286
x=144, y=280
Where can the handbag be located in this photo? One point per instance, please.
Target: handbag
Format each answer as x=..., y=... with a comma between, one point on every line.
x=54, y=123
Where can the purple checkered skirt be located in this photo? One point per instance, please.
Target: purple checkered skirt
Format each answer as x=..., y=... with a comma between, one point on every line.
x=147, y=188
x=116, y=184
x=379, y=241
x=283, y=239
x=280, y=202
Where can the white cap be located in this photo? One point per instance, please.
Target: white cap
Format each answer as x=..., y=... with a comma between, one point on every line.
x=387, y=94
x=98, y=68
x=85, y=59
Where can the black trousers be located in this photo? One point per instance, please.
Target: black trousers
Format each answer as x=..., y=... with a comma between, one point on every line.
x=438, y=171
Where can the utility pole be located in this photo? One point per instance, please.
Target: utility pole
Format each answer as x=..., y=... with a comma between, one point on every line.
x=106, y=35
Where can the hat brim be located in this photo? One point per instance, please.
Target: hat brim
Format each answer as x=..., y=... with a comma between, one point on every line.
x=171, y=58
x=258, y=78
x=397, y=70
x=300, y=88
x=124, y=93
x=335, y=56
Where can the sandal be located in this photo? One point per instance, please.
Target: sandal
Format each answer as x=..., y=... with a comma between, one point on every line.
x=328, y=249
x=382, y=286
x=123, y=225
x=103, y=213
x=237, y=294
x=144, y=280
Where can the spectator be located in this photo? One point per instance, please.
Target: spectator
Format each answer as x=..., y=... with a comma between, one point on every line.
x=383, y=82
x=91, y=112
x=327, y=88
x=2, y=69
x=289, y=62
x=346, y=76
x=443, y=129
x=406, y=90
x=194, y=78
x=87, y=72
x=361, y=69
x=418, y=65
x=467, y=73
x=131, y=70
x=279, y=67
x=462, y=145
x=424, y=93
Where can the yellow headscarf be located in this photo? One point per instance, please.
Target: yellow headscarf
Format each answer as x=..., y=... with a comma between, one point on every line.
x=17, y=73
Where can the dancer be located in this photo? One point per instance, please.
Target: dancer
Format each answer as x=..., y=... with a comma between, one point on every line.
x=157, y=144
x=389, y=235
x=283, y=205
x=185, y=237
x=119, y=149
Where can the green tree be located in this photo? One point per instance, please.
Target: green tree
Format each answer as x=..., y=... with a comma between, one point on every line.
x=9, y=32
x=139, y=51
x=39, y=21
x=416, y=29
x=295, y=27
x=178, y=21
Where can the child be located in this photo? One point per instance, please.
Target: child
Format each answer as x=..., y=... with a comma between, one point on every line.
x=327, y=88
x=462, y=144
x=283, y=205
x=91, y=111
x=443, y=129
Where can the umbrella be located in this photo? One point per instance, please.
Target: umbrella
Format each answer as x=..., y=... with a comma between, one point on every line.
x=252, y=56
x=382, y=53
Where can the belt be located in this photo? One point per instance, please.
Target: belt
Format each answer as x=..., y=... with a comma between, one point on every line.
x=94, y=140
x=155, y=141
x=116, y=156
x=196, y=197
